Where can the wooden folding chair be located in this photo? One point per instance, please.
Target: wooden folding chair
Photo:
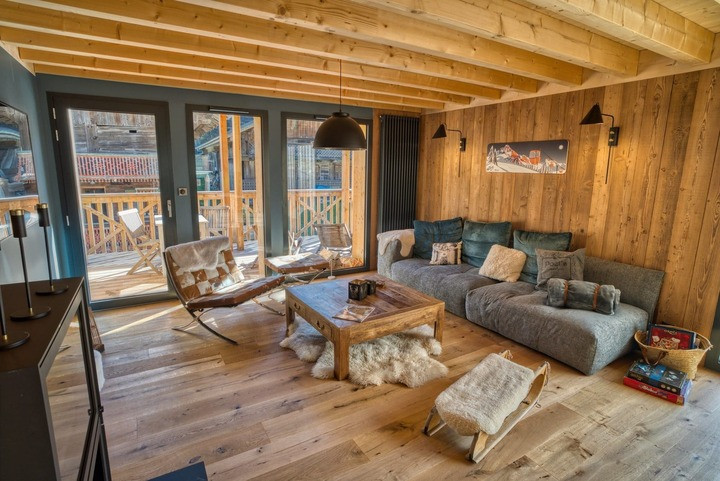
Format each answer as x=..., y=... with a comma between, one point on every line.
x=218, y=218
x=146, y=247
x=461, y=405
x=334, y=237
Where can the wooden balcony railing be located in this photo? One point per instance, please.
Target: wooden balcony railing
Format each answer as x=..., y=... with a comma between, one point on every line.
x=104, y=233
x=107, y=235
x=25, y=202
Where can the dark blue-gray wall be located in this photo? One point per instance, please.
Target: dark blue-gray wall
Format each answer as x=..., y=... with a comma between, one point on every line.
x=18, y=89
x=35, y=90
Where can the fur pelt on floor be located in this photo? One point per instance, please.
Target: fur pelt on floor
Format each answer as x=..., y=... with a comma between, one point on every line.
x=398, y=358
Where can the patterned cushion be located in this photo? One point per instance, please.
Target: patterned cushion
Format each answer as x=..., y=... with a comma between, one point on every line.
x=529, y=241
x=559, y=264
x=206, y=281
x=444, y=253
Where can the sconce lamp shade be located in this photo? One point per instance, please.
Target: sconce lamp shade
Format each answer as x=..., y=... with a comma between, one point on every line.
x=440, y=133
x=594, y=116
x=340, y=132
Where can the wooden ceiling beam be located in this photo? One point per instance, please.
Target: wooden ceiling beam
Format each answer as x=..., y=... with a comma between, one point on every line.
x=69, y=71
x=367, y=25
x=644, y=23
x=449, y=77
x=502, y=21
x=64, y=45
x=117, y=66
x=191, y=20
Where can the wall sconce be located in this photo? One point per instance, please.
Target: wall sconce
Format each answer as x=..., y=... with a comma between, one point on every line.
x=441, y=133
x=595, y=116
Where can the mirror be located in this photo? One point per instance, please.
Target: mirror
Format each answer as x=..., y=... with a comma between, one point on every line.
x=18, y=185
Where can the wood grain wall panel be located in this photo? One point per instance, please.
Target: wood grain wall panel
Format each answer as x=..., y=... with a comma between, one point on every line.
x=706, y=273
x=597, y=219
x=622, y=169
x=690, y=208
x=672, y=160
x=659, y=209
x=642, y=193
x=541, y=128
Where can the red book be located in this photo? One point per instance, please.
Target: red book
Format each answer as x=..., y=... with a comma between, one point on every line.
x=657, y=392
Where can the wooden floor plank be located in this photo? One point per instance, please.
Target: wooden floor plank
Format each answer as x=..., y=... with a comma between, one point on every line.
x=253, y=411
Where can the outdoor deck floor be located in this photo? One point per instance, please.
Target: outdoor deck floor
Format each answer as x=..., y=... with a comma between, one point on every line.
x=108, y=277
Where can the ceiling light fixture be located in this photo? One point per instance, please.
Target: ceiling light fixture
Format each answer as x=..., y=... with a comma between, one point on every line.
x=340, y=131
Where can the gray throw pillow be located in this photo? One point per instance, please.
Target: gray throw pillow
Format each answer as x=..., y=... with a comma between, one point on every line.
x=528, y=242
x=559, y=264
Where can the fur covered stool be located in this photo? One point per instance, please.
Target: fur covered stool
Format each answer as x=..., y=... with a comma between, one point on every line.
x=488, y=401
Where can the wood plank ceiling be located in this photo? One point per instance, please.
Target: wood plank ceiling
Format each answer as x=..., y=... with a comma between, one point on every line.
x=415, y=55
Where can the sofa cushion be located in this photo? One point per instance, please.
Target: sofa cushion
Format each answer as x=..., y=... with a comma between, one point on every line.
x=585, y=340
x=529, y=241
x=405, y=271
x=479, y=237
x=427, y=233
x=503, y=264
x=426, y=278
x=453, y=288
x=559, y=265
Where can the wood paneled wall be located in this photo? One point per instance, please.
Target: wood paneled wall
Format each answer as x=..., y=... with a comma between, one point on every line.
x=660, y=208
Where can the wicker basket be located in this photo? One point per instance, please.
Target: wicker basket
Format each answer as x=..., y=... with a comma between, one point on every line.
x=685, y=360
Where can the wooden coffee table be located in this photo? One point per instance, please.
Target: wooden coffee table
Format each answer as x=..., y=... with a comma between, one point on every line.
x=397, y=308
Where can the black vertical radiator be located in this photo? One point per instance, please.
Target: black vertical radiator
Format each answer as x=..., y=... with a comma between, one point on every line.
x=399, y=143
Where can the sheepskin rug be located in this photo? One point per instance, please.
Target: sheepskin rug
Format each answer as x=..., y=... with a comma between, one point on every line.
x=397, y=358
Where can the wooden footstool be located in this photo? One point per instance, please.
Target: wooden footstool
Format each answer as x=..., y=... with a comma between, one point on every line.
x=488, y=401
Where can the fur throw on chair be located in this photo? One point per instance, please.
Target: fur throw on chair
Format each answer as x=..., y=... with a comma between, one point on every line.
x=198, y=255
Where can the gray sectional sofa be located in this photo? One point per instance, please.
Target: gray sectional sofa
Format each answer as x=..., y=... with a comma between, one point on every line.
x=585, y=340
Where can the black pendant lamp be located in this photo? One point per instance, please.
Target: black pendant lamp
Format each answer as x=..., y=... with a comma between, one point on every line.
x=340, y=131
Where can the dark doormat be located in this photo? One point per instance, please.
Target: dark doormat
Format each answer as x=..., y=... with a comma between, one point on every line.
x=194, y=472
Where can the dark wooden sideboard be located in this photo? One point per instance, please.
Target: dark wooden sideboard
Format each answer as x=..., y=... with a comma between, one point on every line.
x=51, y=423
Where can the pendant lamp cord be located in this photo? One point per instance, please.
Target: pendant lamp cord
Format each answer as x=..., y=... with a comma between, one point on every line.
x=340, y=89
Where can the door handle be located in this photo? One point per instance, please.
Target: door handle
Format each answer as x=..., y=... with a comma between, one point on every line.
x=169, y=208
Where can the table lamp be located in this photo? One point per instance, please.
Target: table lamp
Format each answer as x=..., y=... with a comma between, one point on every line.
x=44, y=220
x=17, y=219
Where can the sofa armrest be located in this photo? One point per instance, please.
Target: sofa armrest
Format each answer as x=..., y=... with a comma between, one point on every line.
x=390, y=256
x=639, y=286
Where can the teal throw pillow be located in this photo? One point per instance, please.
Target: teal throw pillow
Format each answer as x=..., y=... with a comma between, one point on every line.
x=529, y=241
x=429, y=233
x=479, y=237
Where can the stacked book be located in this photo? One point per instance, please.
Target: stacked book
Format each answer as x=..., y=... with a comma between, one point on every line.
x=660, y=381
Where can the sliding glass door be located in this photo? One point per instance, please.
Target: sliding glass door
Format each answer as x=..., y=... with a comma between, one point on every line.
x=227, y=148
x=326, y=196
x=120, y=221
